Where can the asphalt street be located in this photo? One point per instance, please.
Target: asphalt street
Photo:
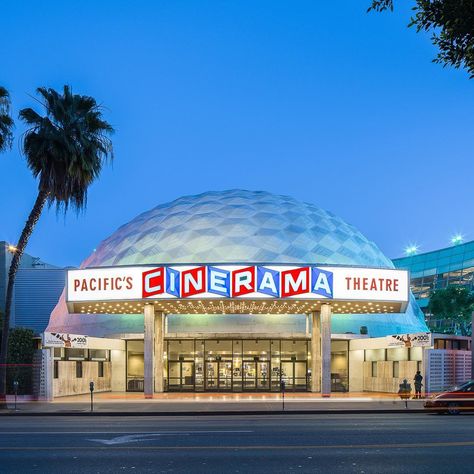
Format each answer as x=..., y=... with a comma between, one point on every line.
x=368, y=443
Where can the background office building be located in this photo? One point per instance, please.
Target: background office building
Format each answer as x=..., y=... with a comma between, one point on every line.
x=438, y=269
x=38, y=286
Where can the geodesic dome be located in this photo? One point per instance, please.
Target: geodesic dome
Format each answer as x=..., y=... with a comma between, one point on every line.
x=237, y=226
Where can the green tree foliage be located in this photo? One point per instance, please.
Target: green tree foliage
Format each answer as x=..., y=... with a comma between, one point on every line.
x=21, y=350
x=65, y=149
x=451, y=24
x=453, y=304
x=6, y=122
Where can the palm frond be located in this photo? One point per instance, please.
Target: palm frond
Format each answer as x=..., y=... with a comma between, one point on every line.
x=6, y=122
x=66, y=147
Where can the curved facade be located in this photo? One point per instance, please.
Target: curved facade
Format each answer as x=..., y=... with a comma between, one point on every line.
x=229, y=227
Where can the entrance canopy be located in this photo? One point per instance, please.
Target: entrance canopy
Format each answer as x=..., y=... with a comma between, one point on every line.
x=237, y=289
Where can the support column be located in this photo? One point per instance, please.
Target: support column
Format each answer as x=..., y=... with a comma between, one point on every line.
x=315, y=353
x=149, y=336
x=160, y=319
x=326, y=350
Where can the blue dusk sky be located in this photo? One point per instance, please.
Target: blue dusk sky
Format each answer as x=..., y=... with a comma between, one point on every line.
x=315, y=99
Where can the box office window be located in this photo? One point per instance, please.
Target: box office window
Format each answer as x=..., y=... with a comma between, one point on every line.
x=78, y=369
x=101, y=369
x=374, y=369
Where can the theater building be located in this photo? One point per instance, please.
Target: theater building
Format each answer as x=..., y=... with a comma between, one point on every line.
x=234, y=291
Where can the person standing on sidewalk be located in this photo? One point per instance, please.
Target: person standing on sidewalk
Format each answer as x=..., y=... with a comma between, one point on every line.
x=418, y=384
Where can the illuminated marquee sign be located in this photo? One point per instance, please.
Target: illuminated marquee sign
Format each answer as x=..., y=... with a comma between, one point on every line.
x=237, y=281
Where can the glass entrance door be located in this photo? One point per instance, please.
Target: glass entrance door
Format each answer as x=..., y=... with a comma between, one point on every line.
x=249, y=376
x=218, y=376
x=180, y=375
x=211, y=375
x=256, y=375
x=294, y=374
x=225, y=375
x=263, y=375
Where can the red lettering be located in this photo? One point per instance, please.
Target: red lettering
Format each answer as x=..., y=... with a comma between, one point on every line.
x=153, y=282
x=92, y=284
x=243, y=281
x=294, y=282
x=365, y=284
x=193, y=282
x=348, y=280
x=129, y=283
x=373, y=285
x=388, y=285
x=395, y=285
x=76, y=284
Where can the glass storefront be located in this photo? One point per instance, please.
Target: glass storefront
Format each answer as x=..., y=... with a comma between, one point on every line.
x=339, y=366
x=135, y=366
x=236, y=365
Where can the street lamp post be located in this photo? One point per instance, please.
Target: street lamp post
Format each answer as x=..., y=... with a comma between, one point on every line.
x=91, y=387
x=282, y=388
x=15, y=389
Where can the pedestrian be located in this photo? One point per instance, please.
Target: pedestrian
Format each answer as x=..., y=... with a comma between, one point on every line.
x=418, y=379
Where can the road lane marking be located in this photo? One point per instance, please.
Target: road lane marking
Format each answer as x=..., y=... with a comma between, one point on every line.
x=239, y=448
x=122, y=432
x=137, y=437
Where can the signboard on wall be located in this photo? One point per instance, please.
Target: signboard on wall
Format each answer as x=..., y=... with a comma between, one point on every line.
x=56, y=339
x=253, y=282
x=420, y=339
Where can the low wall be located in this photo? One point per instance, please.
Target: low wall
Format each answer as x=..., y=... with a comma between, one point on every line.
x=384, y=381
x=68, y=384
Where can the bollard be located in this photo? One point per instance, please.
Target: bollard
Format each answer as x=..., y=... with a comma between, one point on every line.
x=91, y=388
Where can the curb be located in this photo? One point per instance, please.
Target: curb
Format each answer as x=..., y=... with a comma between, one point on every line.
x=220, y=413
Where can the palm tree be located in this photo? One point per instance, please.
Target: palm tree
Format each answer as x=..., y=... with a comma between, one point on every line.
x=6, y=122
x=65, y=150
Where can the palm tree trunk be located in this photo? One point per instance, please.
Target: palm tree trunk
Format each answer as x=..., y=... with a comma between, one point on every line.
x=15, y=263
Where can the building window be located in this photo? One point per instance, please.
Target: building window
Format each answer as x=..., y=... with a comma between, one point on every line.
x=374, y=369
x=56, y=369
x=78, y=369
x=101, y=369
x=98, y=354
x=58, y=353
x=396, y=369
x=76, y=354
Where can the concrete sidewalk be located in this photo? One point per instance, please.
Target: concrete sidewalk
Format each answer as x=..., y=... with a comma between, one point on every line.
x=122, y=403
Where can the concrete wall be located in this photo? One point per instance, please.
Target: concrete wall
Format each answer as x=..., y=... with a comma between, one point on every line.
x=68, y=384
x=356, y=370
x=119, y=367
x=385, y=381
